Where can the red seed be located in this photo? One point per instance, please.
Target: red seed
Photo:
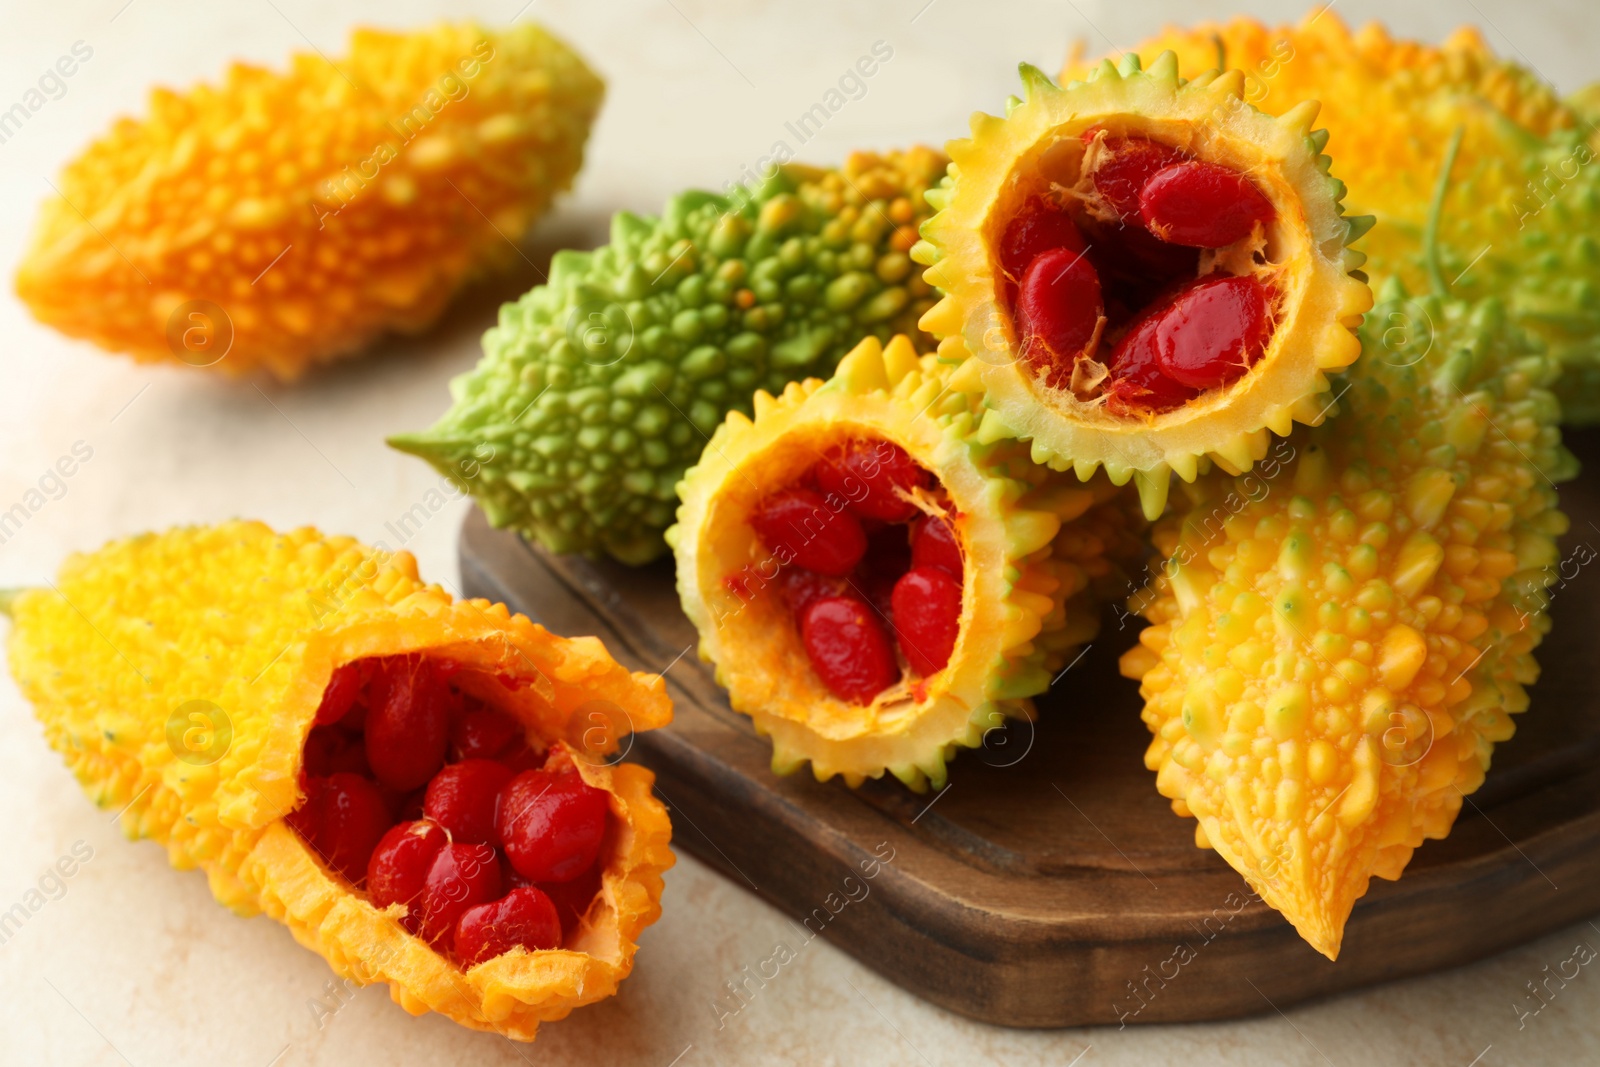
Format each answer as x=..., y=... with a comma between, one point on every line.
x=551, y=825
x=342, y=818
x=872, y=475
x=460, y=877
x=408, y=727
x=1138, y=384
x=1037, y=228
x=800, y=524
x=481, y=732
x=927, y=614
x=800, y=587
x=934, y=544
x=1059, y=308
x=1129, y=163
x=399, y=866
x=848, y=648
x=344, y=688
x=1202, y=205
x=523, y=918
x=461, y=798
x=1214, y=332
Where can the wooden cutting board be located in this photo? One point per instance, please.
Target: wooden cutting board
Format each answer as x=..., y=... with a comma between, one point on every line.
x=1049, y=884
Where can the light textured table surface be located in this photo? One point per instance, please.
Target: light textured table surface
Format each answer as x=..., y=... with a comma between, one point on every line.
x=135, y=963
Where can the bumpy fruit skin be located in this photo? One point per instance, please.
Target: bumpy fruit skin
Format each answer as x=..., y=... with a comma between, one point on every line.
x=1006, y=159
x=317, y=208
x=255, y=622
x=597, y=391
x=1035, y=543
x=1525, y=181
x=1338, y=645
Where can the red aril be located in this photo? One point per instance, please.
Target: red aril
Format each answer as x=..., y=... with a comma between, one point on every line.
x=342, y=818
x=799, y=523
x=400, y=864
x=344, y=687
x=927, y=617
x=872, y=476
x=848, y=647
x=800, y=587
x=1038, y=227
x=1128, y=163
x=460, y=876
x=523, y=918
x=934, y=544
x=408, y=725
x=1138, y=384
x=551, y=824
x=461, y=798
x=1214, y=332
x=481, y=732
x=1202, y=205
x=1058, y=311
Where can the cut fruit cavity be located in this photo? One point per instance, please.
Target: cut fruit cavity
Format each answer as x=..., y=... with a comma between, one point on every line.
x=868, y=564
x=1103, y=277
x=498, y=848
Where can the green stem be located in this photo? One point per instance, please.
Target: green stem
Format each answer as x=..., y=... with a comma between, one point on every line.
x=1430, y=233
x=1222, y=51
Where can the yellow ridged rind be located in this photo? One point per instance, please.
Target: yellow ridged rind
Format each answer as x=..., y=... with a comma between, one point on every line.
x=1321, y=302
x=1035, y=546
x=255, y=622
x=1340, y=638
x=316, y=208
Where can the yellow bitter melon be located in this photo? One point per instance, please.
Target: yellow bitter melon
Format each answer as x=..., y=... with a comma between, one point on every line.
x=1335, y=652
x=1040, y=150
x=1034, y=544
x=244, y=627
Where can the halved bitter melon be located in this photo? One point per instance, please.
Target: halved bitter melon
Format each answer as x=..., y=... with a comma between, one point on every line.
x=1250, y=192
x=187, y=678
x=1015, y=545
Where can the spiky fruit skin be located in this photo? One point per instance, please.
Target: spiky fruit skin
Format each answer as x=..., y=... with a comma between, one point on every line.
x=1523, y=182
x=255, y=622
x=317, y=208
x=1339, y=640
x=1034, y=543
x=597, y=391
x=1321, y=303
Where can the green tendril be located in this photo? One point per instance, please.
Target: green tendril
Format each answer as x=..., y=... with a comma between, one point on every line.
x=1430, y=233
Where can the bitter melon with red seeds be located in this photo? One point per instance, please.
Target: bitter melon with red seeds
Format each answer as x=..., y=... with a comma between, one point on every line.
x=276, y=221
x=877, y=589
x=1142, y=274
x=349, y=750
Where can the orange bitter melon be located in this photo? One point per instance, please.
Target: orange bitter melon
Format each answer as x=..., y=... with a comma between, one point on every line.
x=279, y=220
